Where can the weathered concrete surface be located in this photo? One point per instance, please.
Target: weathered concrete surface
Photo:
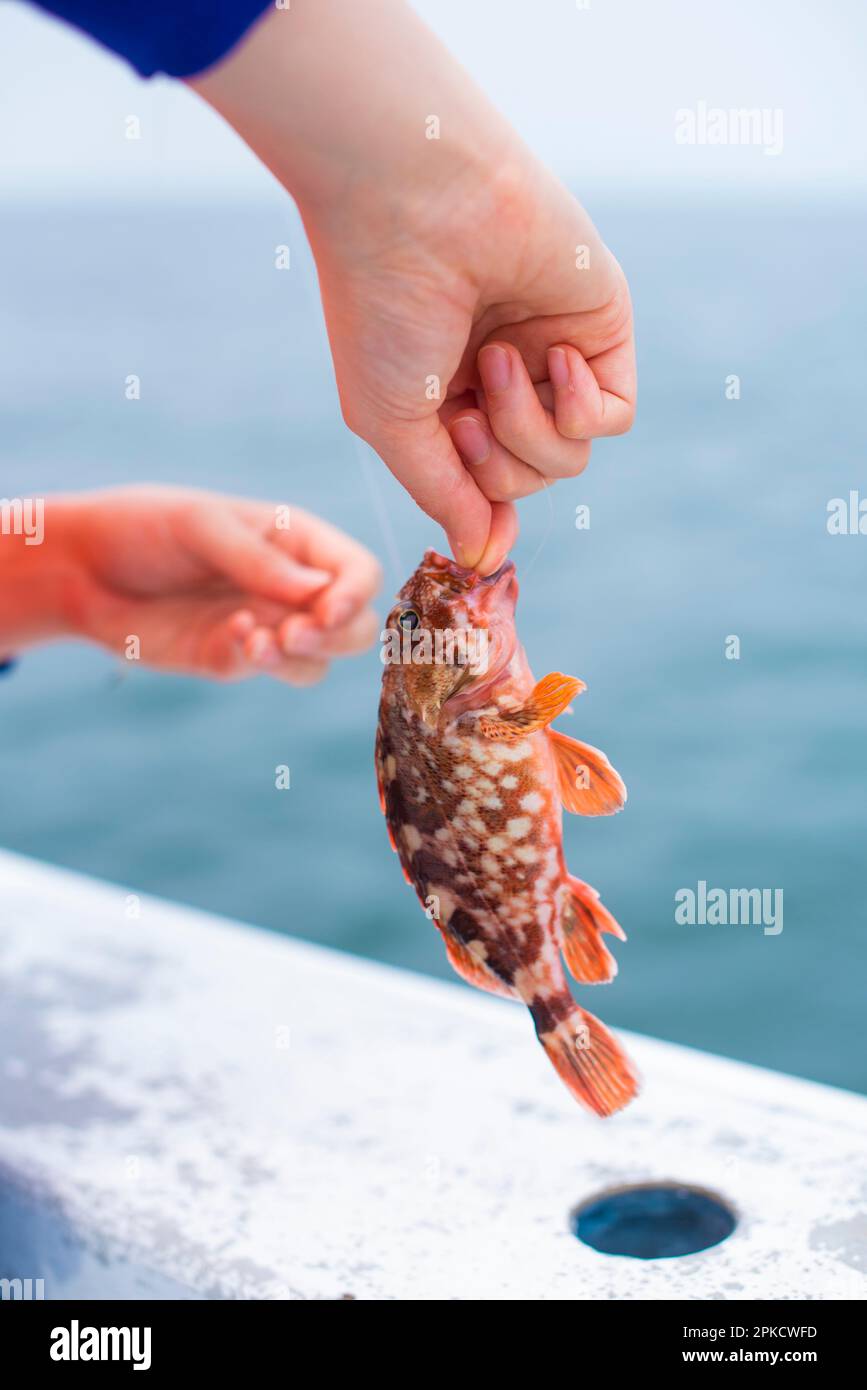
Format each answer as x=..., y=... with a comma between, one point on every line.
x=190, y=1108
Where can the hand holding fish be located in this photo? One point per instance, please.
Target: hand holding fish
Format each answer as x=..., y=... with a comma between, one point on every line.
x=205, y=584
x=481, y=331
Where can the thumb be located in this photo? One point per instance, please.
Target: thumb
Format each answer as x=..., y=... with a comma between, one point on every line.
x=237, y=550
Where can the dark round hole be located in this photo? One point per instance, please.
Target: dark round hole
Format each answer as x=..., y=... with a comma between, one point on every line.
x=655, y=1221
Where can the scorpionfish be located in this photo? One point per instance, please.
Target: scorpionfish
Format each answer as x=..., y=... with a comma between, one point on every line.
x=472, y=782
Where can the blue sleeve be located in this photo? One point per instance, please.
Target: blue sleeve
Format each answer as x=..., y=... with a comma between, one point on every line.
x=178, y=37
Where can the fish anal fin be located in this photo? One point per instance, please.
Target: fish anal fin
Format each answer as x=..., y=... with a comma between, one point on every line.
x=584, y=921
x=549, y=698
x=472, y=969
x=589, y=785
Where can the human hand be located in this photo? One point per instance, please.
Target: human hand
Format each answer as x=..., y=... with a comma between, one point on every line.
x=212, y=585
x=481, y=332
x=491, y=313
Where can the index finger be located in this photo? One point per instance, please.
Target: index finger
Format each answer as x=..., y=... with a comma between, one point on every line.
x=422, y=457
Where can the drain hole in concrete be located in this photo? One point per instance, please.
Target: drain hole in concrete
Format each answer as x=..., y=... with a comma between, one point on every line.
x=653, y=1221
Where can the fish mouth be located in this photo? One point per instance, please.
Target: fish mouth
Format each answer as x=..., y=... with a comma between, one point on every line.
x=453, y=576
x=507, y=567
x=497, y=592
x=504, y=581
x=490, y=601
x=501, y=593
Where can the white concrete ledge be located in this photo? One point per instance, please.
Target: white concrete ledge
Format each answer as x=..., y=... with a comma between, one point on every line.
x=190, y=1108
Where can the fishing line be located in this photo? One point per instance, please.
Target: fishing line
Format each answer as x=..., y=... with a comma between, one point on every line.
x=362, y=450
x=546, y=485
x=371, y=479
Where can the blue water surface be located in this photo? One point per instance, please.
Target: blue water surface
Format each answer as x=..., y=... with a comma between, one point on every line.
x=708, y=520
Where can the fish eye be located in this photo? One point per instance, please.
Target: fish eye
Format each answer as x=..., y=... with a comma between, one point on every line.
x=408, y=619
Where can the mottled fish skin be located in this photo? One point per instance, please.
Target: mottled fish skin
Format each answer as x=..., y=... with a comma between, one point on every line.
x=477, y=823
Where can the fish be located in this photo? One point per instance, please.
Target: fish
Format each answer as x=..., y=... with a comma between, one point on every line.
x=472, y=781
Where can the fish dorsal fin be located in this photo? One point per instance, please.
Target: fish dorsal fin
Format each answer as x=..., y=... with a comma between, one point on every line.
x=589, y=785
x=548, y=699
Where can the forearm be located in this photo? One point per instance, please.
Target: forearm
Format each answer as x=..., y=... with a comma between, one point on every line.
x=437, y=235
x=380, y=135
x=331, y=93
x=40, y=576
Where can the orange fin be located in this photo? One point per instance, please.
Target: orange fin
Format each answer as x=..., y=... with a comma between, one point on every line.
x=589, y=785
x=473, y=970
x=584, y=921
x=379, y=762
x=590, y=1061
x=549, y=698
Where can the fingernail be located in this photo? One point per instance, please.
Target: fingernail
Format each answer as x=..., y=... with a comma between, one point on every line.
x=464, y=555
x=558, y=368
x=495, y=366
x=490, y=562
x=306, y=641
x=243, y=623
x=262, y=649
x=471, y=439
x=313, y=578
x=339, y=612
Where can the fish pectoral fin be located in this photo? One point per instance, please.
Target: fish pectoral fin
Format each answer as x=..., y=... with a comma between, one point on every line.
x=379, y=763
x=549, y=698
x=583, y=923
x=472, y=969
x=589, y=785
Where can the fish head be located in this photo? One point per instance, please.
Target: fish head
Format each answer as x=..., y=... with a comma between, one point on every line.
x=452, y=631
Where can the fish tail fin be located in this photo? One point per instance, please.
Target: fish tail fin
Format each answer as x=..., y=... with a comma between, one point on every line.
x=586, y=1056
x=584, y=921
